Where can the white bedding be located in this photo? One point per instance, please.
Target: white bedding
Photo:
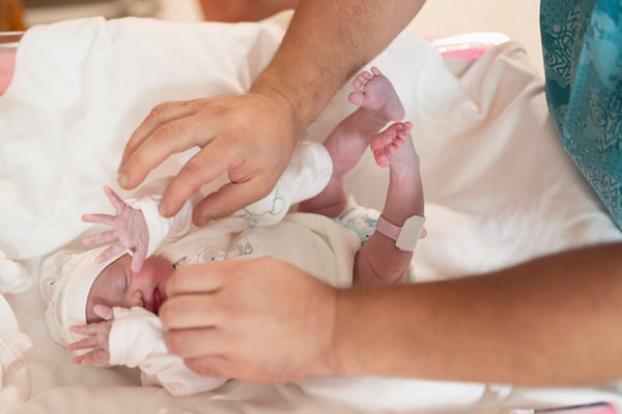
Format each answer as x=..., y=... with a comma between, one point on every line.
x=499, y=188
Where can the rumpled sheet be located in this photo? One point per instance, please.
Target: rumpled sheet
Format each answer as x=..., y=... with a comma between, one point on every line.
x=498, y=185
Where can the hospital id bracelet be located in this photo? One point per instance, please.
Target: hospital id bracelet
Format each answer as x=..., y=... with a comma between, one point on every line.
x=405, y=237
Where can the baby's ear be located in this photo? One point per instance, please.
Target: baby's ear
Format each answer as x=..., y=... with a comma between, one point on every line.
x=103, y=311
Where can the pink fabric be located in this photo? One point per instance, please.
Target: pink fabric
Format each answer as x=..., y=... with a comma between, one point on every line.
x=7, y=66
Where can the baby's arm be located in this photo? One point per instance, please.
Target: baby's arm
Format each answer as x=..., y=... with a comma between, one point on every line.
x=134, y=338
x=306, y=176
x=137, y=227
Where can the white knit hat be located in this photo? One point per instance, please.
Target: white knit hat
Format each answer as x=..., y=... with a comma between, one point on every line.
x=66, y=280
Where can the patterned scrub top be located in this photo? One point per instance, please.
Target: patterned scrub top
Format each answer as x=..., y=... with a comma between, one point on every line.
x=582, y=44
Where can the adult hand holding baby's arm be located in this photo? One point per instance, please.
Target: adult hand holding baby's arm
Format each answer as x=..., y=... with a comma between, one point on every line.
x=97, y=335
x=130, y=231
x=249, y=137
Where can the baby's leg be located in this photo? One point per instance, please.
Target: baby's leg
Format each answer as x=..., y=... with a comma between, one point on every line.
x=379, y=261
x=378, y=104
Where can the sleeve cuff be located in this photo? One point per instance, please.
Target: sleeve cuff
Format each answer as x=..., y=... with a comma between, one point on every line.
x=157, y=225
x=135, y=334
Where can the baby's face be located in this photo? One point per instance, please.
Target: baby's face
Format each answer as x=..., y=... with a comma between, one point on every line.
x=117, y=285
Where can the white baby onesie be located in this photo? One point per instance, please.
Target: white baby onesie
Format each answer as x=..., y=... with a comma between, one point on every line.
x=136, y=341
x=314, y=243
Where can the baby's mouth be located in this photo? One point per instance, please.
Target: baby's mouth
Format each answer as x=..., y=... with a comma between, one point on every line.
x=159, y=297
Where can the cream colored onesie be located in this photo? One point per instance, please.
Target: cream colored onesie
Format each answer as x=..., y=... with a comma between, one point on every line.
x=312, y=242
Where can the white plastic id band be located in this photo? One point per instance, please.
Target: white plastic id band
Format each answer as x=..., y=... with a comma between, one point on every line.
x=405, y=237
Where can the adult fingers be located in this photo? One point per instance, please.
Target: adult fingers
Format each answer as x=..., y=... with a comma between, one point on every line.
x=110, y=252
x=191, y=311
x=159, y=115
x=86, y=343
x=228, y=199
x=210, y=366
x=115, y=200
x=198, y=278
x=100, y=238
x=168, y=139
x=193, y=343
x=210, y=163
x=105, y=219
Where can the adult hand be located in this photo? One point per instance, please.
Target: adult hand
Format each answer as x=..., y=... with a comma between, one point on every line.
x=260, y=320
x=250, y=137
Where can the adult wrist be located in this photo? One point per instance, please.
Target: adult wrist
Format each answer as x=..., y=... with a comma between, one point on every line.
x=283, y=103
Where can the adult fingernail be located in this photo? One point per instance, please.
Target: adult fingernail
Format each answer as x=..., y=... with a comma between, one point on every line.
x=202, y=221
x=123, y=180
x=163, y=208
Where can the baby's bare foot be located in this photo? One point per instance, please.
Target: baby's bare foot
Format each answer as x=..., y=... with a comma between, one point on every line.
x=394, y=147
x=375, y=92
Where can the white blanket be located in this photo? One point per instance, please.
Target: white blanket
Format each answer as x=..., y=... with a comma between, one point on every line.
x=499, y=187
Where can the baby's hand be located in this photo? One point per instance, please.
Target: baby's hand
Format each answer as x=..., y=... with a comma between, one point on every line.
x=129, y=231
x=96, y=339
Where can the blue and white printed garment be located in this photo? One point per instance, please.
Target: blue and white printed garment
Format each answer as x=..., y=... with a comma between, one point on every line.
x=582, y=44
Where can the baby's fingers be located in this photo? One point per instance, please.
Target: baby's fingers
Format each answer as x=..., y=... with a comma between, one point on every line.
x=139, y=259
x=86, y=343
x=104, y=312
x=95, y=357
x=112, y=251
x=115, y=200
x=105, y=219
x=100, y=238
x=84, y=329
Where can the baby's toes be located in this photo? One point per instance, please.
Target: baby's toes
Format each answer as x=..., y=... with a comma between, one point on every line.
x=360, y=81
x=379, y=142
x=381, y=157
x=356, y=98
x=392, y=148
x=401, y=135
x=376, y=71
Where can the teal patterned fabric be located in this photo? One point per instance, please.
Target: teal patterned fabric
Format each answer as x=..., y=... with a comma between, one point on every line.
x=582, y=44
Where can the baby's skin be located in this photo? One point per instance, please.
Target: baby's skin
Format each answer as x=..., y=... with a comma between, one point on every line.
x=379, y=262
x=140, y=281
x=127, y=282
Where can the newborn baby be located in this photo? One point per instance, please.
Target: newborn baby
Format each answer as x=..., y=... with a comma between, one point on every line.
x=110, y=297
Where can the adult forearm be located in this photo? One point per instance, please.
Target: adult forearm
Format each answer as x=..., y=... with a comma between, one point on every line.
x=554, y=320
x=326, y=43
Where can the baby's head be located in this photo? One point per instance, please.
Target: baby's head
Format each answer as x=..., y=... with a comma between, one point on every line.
x=72, y=284
x=117, y=286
